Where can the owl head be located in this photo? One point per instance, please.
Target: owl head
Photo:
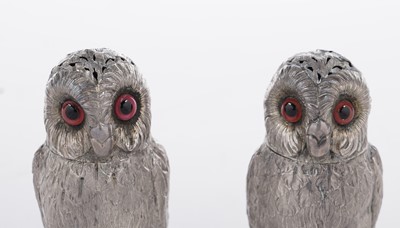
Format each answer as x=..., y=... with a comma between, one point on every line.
x=97, y=106
x=317, y=108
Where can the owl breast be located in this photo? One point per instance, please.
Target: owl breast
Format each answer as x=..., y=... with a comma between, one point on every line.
x=114, y=194
x=295, y=194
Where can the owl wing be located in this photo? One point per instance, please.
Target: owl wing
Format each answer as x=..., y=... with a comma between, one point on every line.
x=37, y=165
x=160, y=174
x=257, y=188
x=376, y=164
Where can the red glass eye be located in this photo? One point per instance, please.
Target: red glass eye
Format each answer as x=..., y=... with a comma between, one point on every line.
x=125, y=107
x=72, y=113
x=291, y=110
x=343, y=112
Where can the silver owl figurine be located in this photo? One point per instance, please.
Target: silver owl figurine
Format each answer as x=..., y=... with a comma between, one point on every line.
x=316, y=168
x=99, y=165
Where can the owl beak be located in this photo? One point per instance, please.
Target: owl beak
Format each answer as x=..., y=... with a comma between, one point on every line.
x=318, y=138
x=101, y=139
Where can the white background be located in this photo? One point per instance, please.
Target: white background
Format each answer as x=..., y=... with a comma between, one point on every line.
x=208, y=65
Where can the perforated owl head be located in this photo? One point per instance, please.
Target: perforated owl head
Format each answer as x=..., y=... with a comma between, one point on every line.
x=317, y=107
x=96, y=106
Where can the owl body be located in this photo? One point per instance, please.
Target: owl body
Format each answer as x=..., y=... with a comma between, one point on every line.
x=128, y=192
x=103, y=169
x=316, y=167
x=306, y=195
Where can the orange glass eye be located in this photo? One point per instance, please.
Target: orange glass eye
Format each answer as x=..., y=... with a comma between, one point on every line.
x=343, y=112
x=72, y=113
x=291, y=110
x=125, y=107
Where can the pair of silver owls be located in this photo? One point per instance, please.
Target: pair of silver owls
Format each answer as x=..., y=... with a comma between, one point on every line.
x=100, y=166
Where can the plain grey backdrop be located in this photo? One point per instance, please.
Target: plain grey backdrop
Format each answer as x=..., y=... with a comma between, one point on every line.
x=208, y=64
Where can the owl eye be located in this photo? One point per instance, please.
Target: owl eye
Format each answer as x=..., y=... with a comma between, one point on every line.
x=291, y=110
x=343, y=112
x=72, y=113
x=125, y=107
